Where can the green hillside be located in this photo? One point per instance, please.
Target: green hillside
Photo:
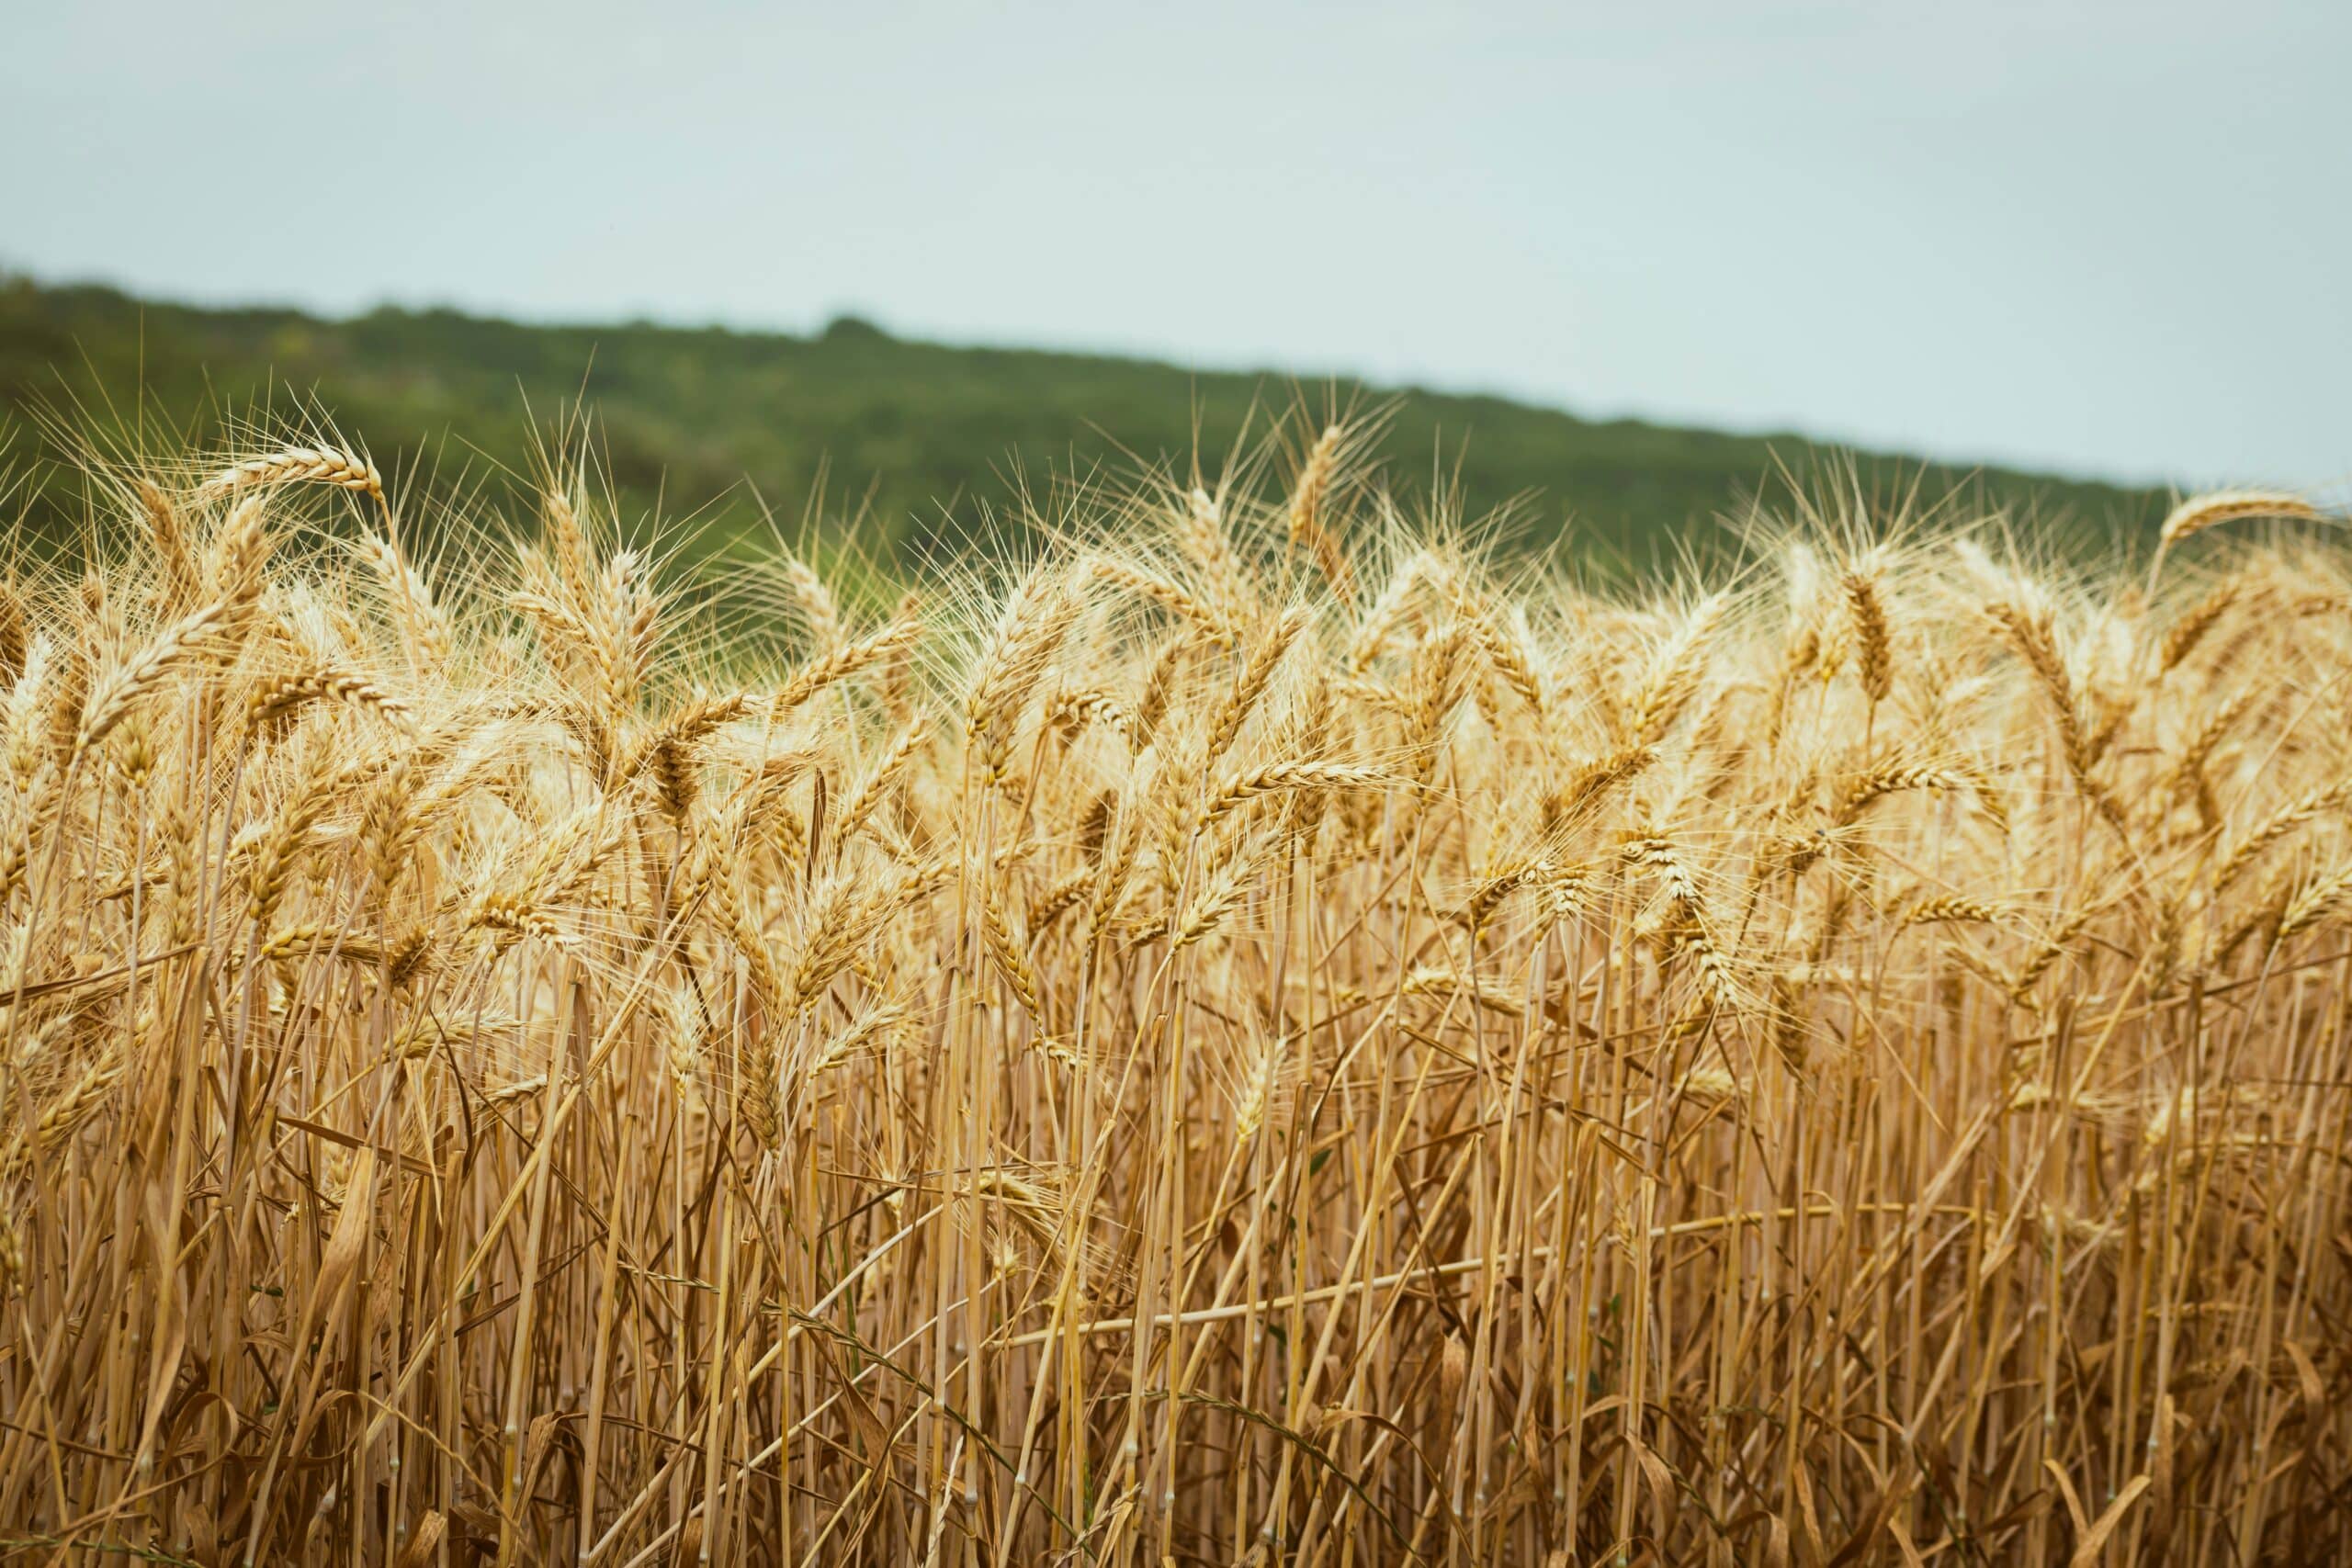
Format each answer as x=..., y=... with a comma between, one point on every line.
x=914, y=431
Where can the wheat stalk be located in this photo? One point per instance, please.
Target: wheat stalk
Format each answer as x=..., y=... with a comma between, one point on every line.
x=296, y=465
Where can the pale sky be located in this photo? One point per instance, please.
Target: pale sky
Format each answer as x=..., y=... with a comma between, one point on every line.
x=2113, y=239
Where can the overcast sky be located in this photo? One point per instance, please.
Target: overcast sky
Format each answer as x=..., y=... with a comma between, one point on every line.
x=2108, y=238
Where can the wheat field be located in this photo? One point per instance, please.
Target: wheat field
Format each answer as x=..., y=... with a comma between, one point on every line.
x=1265, y=1033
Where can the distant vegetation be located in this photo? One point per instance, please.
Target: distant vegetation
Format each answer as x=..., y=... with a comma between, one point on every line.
x=699, y=422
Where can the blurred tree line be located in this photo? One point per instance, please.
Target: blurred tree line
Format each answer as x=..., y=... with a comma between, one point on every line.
x=918, y=445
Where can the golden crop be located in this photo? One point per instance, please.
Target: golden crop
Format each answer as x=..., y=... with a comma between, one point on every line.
x=1253, y=1037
